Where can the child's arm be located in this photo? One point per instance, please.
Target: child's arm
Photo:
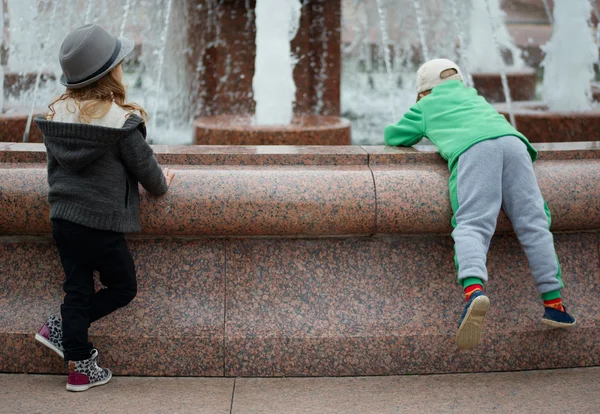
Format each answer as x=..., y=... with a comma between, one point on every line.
x=141, y=162
x=409, y=131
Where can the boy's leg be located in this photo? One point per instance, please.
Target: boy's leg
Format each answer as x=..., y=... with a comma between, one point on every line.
x=117, y=274
x=524, y=205
x=78, y=287
x=530, y=217
x=476, y=201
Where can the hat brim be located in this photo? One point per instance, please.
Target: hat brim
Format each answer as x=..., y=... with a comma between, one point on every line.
x=127, y=46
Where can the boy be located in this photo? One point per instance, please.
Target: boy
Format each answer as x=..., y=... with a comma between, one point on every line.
x=491, y=166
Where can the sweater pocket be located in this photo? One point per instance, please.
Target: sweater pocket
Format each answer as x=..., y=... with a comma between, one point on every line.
x=126, y=193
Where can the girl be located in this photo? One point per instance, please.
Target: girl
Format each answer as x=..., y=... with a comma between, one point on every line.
x=97, y=154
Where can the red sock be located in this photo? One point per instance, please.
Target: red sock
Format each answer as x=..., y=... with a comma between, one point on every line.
x=469, y=290
x=555, y=303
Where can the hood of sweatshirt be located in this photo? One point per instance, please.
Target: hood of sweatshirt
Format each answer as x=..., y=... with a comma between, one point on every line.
x=76, y=145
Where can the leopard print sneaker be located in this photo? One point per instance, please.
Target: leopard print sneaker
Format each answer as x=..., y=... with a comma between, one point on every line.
x=86, y=374
x=50, y=334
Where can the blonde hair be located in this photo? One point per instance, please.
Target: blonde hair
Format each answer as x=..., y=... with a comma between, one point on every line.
x=94, y=101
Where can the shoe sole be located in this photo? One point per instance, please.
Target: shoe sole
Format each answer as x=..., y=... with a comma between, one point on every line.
x=49, y=344
x=79, y=388
x=556, y=324
x=469, y=331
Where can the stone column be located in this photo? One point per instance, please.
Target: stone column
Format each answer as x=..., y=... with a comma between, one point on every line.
x=221, y=60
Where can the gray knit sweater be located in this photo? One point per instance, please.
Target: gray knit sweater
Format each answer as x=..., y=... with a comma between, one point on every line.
x=93, y=173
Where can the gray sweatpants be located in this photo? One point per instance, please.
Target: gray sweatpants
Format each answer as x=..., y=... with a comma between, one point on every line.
x=499, y=173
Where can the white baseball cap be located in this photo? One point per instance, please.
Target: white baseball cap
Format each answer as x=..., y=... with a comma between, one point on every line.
x=429, y=74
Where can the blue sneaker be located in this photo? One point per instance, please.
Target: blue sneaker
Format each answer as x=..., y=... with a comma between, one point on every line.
x=557, y=319
x=471, y=321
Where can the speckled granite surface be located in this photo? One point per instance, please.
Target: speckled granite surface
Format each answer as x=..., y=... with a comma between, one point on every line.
x=306, y=191
x=177, y=314
x=363, y=304
x=391, y=306
x=308, y=307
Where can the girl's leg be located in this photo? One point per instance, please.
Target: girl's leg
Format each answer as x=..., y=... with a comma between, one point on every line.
x=72, y=242
x=117, y=274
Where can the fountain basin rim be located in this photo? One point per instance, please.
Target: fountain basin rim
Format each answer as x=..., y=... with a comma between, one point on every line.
x=540, y=109
x=200, y=156
x=244, y=123
x=304, y=200
x=509, y=72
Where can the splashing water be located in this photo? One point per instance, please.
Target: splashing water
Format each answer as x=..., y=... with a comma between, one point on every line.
x=88, y=12
x=1, y=89
x=597, y=14
x=463, y=58
x=2, y=42
x=126, y=9
x=387, y=57
x=548, y=13
x=365, y=89
x=359, y=30
x=161, y=60
x=39, y=75
x=322, y=75
x=421, y=29
x=273, y=82
x=487, y=28
x=501, y=67
x=569, y=64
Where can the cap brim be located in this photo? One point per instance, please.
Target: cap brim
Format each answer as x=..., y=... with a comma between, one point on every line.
x=127, y=46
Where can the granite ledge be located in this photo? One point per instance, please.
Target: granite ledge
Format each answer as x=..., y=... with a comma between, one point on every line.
x=308, y=191
x=381, y=154
x=303, y=155
x=218, y=154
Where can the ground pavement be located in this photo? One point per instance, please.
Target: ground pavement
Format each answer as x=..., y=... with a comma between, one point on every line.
x=555, y=391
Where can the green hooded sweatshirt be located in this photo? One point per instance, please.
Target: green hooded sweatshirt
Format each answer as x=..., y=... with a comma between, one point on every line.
x=454, y=118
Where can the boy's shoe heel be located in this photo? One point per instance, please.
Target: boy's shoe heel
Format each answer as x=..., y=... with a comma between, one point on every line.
x=50, y=335
x=471, y=324
x=557, y=319
x=86, y=374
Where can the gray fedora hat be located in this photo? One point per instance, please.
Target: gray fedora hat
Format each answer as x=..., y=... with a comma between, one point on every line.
x=90, y=52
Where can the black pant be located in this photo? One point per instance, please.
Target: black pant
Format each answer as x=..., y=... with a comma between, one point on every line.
x=82, y=251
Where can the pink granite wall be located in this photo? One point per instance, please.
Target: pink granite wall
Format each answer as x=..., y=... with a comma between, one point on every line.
x=380, y=300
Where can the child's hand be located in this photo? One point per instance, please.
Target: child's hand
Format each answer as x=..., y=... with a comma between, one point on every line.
x=169, y=175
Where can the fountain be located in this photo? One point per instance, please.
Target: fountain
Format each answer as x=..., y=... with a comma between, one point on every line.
x=193, y=65
x=276, y=76
x=486, y=63
x=567, y=112
x=293, y=261
x=195, y=75
x=161, y=58
x=384, y=41
x=15, y=119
